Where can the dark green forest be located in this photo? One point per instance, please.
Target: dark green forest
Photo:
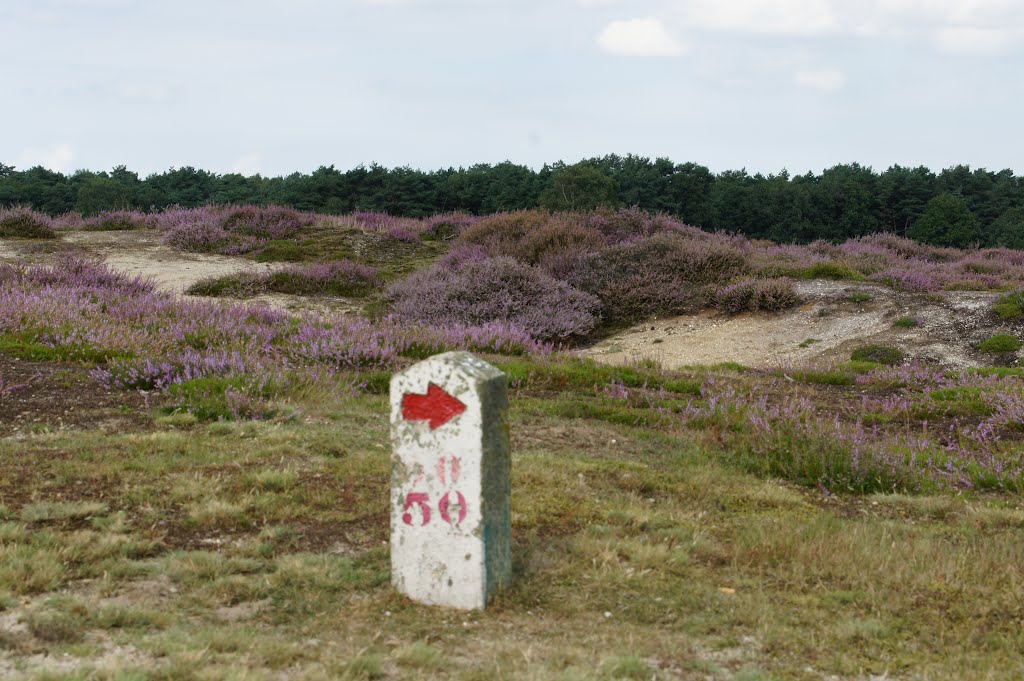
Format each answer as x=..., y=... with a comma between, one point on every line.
x=957, y=206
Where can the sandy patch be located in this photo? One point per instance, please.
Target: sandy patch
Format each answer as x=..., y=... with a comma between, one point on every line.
x=141, y=253
x=824, y=330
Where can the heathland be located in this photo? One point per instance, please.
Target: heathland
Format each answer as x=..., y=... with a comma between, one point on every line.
x=194, y=461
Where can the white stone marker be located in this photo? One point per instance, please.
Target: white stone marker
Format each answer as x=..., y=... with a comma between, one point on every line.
x=451, y=515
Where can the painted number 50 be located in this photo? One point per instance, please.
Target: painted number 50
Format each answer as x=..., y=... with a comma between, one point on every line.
x=422, y=499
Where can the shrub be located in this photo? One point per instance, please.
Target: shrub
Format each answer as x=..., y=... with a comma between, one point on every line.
x=501, y=233
x=645, y=294
x=757, y=294
x=231, y=230
x=1010, y=305
x=999, y=343
x=879, y=354
x=558, y=236
x=860, y=297
x=237, y=285
x=25, y=223
x=633, y=223
x=447, y=225
x=496, y=290
x=906, y=323
x=664, y=274
x=531, y=235
x=193, y=230
x=267, y=222
x=339, y=278
x=831, y=270
x=117, y=220
x=910, y=280
x=707, y=260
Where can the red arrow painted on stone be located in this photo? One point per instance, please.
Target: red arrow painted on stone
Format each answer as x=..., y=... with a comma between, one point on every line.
x=436, y=406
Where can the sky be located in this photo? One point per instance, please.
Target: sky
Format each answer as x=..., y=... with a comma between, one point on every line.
x=281, y=86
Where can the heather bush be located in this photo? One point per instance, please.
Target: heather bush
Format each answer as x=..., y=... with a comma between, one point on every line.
x=140, y=338
x=706, y=260
x=266, y=222
x=770, y=295
x=773, y=295
x=339, y=278
x=556, y=237
x=504, y=233
x=236, y=285
x=912, y=280
x=661, y=275
x=193, y=229
x=25, y=223
x=231, y=230
x=645, y=294
x=632, y=223
x=899, y=246
x=445, y=226
x=117, y=220
x=497, y=289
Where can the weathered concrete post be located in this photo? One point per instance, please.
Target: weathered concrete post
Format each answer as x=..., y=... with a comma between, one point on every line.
x=450, y=489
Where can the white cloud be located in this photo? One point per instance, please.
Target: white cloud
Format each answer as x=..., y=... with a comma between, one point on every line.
x=973, y=41
x=970, y=27
x=56, y=157
x=806, y=17
x=824, y=80
x=247, y=165
x=639, y=38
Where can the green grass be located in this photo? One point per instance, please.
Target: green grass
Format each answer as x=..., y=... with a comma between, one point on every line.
x=286, y=250
x=1000, y=343
x=860, y=297
x=643, y=546
x=584, y=374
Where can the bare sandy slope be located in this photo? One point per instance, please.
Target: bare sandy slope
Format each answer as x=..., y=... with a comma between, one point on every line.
x=824, y=330
x=142, y=253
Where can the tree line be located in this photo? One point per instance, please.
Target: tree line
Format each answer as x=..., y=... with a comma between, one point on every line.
x=957, y=206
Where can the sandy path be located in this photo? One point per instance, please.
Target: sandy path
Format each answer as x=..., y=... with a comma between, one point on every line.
x=824, y=330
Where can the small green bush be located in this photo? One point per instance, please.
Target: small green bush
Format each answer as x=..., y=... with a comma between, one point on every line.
x=906, y=323
x=861, y=297
x=1001, y=342
x=880, y=354
x=238, y=285
x=1010, y=306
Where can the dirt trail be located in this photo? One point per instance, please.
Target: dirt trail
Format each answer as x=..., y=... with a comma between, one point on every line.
x=824, y=330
